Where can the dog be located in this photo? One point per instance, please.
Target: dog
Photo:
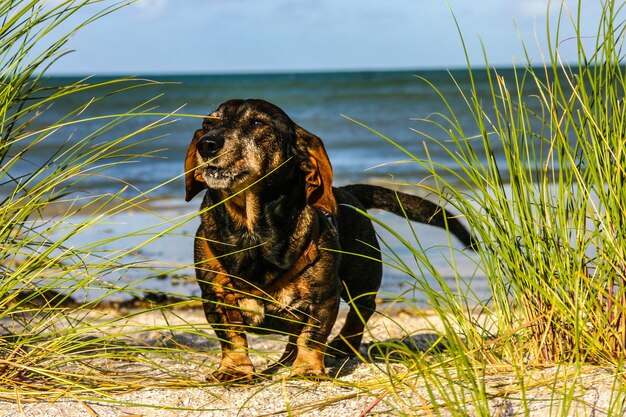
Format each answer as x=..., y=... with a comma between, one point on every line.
x=278, y=246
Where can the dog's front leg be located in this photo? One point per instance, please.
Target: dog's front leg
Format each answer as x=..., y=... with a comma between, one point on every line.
x=311, y=342
x=235, y=365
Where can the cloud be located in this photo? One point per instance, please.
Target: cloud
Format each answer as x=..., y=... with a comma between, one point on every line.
x=532, y=8
x=149, y=9
x=542, y=8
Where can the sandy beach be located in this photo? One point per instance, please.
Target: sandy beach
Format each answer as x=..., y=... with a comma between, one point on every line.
x=359, y=386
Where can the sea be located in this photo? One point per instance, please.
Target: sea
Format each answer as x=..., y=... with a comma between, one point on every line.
x=376, y=126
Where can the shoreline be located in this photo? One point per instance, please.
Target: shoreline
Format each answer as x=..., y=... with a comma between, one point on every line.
x=165, y=264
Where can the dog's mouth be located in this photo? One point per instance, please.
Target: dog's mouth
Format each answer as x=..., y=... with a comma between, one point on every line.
x=221, y=178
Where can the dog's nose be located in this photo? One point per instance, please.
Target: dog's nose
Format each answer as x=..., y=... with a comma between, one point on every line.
x=210, y=144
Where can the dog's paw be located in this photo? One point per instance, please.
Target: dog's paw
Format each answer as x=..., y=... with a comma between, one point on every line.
x=308, y=374
x=309, y=367
x=234, y=376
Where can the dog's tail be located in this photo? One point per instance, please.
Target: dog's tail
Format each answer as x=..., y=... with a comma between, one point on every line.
x=415, y=208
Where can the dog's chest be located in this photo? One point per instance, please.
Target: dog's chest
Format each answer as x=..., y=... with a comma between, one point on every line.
x=256, y=258
x=286, y=303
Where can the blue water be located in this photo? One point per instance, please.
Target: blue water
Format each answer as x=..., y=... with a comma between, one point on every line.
x=393, y=103
x=389, y=102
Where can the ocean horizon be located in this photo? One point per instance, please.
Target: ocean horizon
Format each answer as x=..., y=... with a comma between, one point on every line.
x=394, y=103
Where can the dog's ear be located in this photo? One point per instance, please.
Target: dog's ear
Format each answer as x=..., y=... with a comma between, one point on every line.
x=318, y=170
x=193, y=181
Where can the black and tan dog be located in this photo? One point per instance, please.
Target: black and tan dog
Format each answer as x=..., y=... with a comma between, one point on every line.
x=277, y=244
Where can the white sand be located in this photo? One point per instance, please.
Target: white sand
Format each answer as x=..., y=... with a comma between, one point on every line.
x=339, y=396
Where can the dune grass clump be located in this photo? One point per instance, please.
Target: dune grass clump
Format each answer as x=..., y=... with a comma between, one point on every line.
x=49, y=285
x=539, y=176
x=549, y=206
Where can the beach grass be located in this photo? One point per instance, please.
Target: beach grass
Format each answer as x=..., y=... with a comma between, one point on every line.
x=547, y=207
x=51, y=288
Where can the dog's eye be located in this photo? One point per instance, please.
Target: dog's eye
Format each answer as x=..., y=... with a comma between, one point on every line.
x=259, y=123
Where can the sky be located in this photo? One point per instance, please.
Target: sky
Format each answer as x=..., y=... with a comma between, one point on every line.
x=243, y=36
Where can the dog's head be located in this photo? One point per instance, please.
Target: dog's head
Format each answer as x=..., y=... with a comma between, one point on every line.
x=244, y=141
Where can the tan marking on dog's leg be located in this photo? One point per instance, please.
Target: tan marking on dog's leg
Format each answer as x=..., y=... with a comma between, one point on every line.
x=311, y=344
x=309, y=362
x=235, y=365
